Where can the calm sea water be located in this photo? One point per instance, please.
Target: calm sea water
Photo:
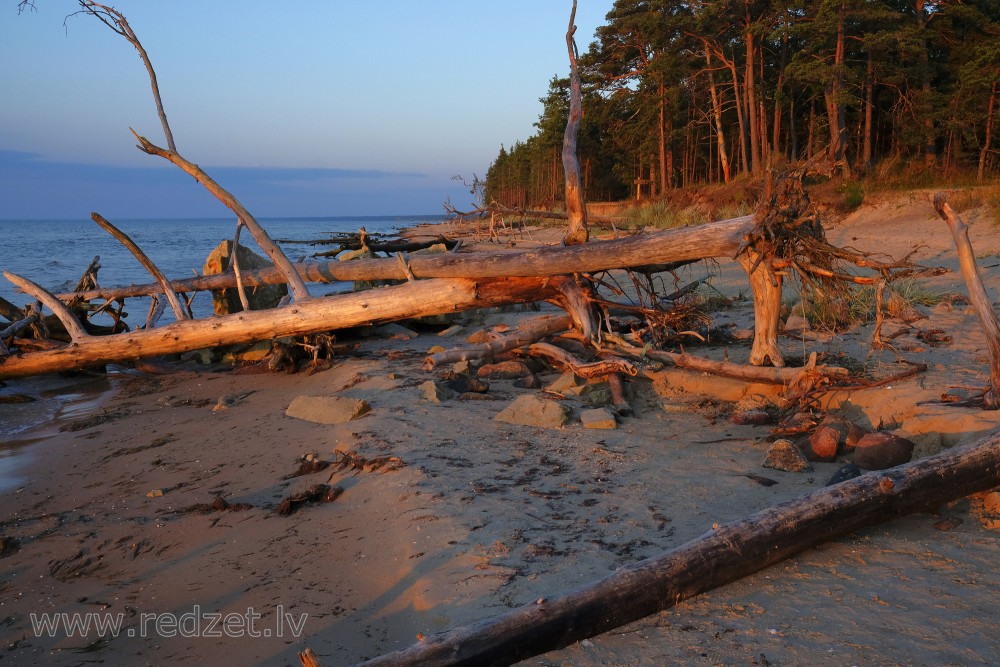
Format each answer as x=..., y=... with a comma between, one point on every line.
x=54, y=254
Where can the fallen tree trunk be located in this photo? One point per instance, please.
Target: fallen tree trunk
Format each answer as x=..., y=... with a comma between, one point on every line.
x=527, y=333
x=386, y=304
x=722, y=555
x=716, y=239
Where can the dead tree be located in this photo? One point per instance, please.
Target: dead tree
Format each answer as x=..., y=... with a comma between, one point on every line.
x=575, y=206
x=977, y=295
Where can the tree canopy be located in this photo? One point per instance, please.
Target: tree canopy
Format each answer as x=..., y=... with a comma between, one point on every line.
x=704, y=91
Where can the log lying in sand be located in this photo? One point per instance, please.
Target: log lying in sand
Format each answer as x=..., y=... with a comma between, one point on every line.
x=527, y=333
x=722, y=555
x=413, y=299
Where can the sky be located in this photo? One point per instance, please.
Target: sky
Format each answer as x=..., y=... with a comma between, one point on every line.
x=309, y=108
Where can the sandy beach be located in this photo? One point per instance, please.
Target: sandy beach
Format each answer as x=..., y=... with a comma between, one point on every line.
x=162, y=508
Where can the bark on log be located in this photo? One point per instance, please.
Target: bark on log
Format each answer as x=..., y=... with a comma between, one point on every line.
x=526, y=334
x=716, y=239
x=722, y=555
x=281, y=262
x=147, y=263
x=609, y=366
x=977, y=294
x=413, y=299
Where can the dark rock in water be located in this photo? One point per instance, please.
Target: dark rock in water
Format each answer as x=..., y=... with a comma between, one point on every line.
x=824, y=443
x=881, y=450
x=783, y=455
x=849, y=471
x=505, y=370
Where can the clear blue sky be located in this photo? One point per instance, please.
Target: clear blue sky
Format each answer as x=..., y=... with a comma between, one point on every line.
x=309, y=108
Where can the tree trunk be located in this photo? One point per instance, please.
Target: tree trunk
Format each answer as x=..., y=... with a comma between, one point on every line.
x=724, y=554
x=866, y=142
x=984, y=153
x=750, y=86
x=413, y=299
x=575, y=206
x=720, y=132
x=663, y=139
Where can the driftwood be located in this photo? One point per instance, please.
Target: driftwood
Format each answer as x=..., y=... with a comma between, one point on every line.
x=526, y=334
x=716, y=239
x=722, y=555
x=977, y=295
x=609, y=366
x=413, y=299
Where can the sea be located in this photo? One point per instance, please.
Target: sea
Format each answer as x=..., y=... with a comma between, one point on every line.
x=55, y=253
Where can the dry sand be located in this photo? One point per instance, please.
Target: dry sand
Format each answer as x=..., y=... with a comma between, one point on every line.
x=483, y=516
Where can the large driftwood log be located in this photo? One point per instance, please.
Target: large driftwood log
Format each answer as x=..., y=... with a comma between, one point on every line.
x=977, y=294
x=722, y=555
x=716, y=239
x=527, y=333
x=413, y=299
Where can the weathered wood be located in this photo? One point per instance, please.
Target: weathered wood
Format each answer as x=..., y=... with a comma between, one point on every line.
x=413, y=299
x=720, y=556
x=576, y=209
x=716, y=239
x=527, y=332
x=58, y=308
x=147, y=263
x=977, y=294
x=765, y=285
x=608, y=366
x=281, y=262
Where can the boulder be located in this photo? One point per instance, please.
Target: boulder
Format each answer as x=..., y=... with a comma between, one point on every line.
x=227, y=301
x=881, y=450
x=531, y=410
x=783, y=455
x=436, y=392
x=598, y=418
x=327, y=409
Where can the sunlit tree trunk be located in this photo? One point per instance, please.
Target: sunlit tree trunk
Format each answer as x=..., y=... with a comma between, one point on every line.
x=984, y=153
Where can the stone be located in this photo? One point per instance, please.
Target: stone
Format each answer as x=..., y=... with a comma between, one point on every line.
x=463, y=384
x=531, y=410
x=752, y=417
x=881, y=450
x=505, y=370
x=436, y=392
x=796, y=323
x=227, y=301
x=785, y=456
x=395, y=331
x=462, y=366
x=824, y=443
x=598, y=418
x=565, y=381
x=434, y=349
x=327, y=409
x=849, y=471
x=481, y=336
x=528, y=382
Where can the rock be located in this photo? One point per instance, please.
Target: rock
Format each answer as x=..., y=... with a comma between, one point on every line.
x=434, y=349
x=463, y=384
x=991, y=502
x=435, y=392
x=481, y=336
x=753, y=417
x=565, y=381
x=395, y=331
x=528, y=382
x=824, y=443
x=531, y=410
x=229, y=400
x=505, y=370
x=783, y=455
x=598, y=393
x=227, y=301
x=881, y=450
x=796, y=323
x=155, y=493
x=598, y=418
x=327, y=409
x=849, y=471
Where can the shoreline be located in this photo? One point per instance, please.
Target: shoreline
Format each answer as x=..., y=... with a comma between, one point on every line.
x=447, y=516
